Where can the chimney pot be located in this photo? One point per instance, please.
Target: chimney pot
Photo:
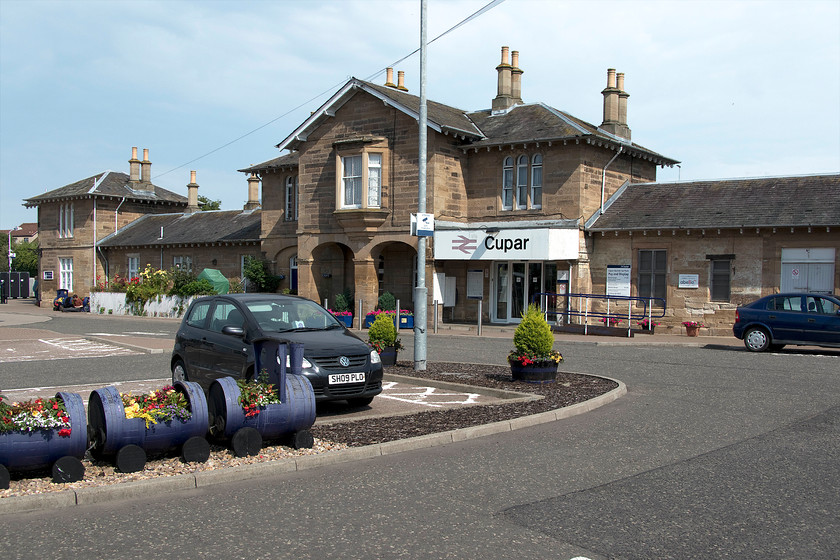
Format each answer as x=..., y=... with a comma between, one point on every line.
x=146, y=170
x=389, y=78
x=401, y=81
x=516, y=80
x=134, y=167
x=503, y=99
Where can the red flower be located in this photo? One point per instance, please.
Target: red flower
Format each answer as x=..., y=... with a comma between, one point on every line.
x=64, y=432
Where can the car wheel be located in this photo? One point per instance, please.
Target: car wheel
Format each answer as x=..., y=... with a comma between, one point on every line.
x=757, y=340
x=359, y=402
x=179, y=372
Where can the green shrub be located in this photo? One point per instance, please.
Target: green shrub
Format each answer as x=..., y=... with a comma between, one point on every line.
x=185, y=284
x=343, y=301
x=387, y=302
x=383, y=333
x=533, y=335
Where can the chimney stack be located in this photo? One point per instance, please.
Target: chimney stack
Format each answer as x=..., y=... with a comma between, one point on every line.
x=516, y=79
x=134, y=168
x=615, y=105
x=253, y=192
x=192, y=195
x=401, y=81
x=504, y=95
x=146, y=172
x=389, y=78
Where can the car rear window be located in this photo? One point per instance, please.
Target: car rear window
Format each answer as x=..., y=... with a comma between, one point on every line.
x=198, y=314
x=785, y=303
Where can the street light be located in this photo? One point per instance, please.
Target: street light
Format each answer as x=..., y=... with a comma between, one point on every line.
x=10, y=246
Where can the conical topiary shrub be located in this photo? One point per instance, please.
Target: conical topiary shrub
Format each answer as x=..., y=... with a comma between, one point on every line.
x=534, y=360
x=382, y=337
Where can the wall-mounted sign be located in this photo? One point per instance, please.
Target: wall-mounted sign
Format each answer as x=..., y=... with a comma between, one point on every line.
x=689, y=281
x=475, y=284
x=618, y=280
x=508, y=244
x=48, y=275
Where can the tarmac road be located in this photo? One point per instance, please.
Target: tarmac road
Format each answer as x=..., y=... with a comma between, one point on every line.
x=713, y=453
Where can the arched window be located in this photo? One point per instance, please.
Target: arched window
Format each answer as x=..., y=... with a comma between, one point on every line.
x=522, y=182
x=291, y=198
x=536, y=181
x=507, y=184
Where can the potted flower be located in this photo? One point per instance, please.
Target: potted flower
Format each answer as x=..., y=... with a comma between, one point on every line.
x=647, y=325
x=247, y=412
x=42, y=433
x=691, y=327
x=128, y=427
x=534, y=360
x=406, y=317
x=382, y=337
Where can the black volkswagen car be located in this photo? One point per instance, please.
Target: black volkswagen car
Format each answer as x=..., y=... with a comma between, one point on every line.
x=217, y=333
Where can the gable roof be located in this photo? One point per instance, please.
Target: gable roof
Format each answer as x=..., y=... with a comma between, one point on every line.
x=202, y=228
x=441, y=118
x=811, y=200
x=107, y=184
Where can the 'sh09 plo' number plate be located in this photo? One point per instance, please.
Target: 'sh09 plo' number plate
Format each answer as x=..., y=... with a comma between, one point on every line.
x=341, y=378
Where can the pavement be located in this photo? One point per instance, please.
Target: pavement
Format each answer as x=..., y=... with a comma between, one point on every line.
x=17, y=318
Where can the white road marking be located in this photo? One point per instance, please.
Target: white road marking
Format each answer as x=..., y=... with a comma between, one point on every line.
x=426, y=396
x=60, y=349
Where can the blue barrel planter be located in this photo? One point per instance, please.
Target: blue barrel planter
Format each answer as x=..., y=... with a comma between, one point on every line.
x=24, y=451
x=346, y=319
x=295, y=414
x=110, y=431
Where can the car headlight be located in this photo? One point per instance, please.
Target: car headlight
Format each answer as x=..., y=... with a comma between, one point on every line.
x=306, y=363
x=374, y=357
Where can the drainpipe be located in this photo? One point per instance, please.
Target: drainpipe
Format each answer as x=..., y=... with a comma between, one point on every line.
x=604, y=178
x=117, y=213
x=93, y=278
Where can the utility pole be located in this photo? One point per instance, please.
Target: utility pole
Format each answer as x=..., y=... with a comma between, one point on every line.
x=420, y=290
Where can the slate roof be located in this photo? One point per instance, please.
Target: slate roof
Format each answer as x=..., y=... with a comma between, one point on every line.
x=812, y=200
x=288, y=161
x=523, y=123
x=108, y=184
x=219, y=226
x=537, y=122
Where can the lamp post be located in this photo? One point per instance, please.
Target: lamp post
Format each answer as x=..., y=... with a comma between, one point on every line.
x=9, y=254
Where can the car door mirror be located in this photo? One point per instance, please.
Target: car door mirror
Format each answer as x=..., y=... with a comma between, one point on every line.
x=233, y=331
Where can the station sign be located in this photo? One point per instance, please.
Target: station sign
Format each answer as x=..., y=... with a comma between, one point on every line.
x=537, y=244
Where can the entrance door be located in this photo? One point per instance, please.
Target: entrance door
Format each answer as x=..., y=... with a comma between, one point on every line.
x=516, y=284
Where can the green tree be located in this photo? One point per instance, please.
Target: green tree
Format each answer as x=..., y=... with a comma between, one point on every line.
x=26, y=258
x=205, y=203
x=4, y=243
x=258, y=273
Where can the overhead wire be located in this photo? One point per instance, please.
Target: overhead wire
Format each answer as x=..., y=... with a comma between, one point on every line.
x=464, y=21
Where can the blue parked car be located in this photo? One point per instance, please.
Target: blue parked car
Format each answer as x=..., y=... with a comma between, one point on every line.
x=795, y=318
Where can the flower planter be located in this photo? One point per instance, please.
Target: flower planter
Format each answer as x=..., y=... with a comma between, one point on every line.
x=691, y=331
x=23, y=451
x=346, y=319
x=294, y=416
x=128, y=441
x=388, y=356
x=539, y=372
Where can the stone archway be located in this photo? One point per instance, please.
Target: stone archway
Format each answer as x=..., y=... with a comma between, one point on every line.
x=332, y=271
x=396, y=269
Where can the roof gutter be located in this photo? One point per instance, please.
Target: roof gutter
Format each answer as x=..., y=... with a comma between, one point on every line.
x=604, y=178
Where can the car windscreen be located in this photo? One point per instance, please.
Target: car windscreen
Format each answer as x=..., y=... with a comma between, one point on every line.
x=291, y=315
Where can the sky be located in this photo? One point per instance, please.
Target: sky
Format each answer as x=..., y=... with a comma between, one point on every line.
x=729, y=88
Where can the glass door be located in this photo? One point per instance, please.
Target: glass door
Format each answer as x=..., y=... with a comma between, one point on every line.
x=515, y=284
x=502, y=279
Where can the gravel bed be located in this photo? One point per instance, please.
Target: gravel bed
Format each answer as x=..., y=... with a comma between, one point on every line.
x=569, y=389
